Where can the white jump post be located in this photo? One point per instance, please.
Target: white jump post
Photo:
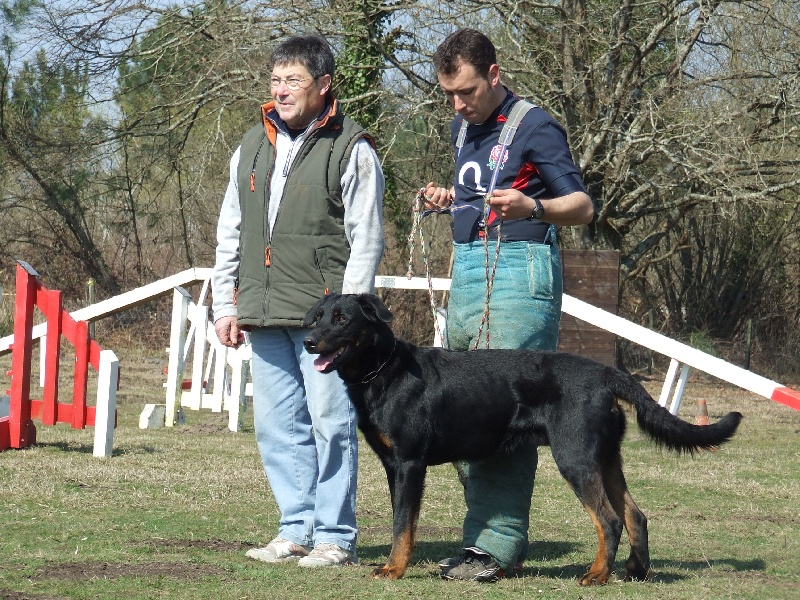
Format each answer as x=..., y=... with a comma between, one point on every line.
x=215, y=367
x=177, y=343
x=672, y=371
x=219, y=375
x=238, y=388
x=215, y=371
x=106, y=410
x=198, y=316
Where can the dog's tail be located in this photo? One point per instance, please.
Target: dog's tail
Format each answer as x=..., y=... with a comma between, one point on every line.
x=665, y=428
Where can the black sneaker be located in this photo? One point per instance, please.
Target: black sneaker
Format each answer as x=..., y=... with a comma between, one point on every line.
x=473, y=565
x=454, y=560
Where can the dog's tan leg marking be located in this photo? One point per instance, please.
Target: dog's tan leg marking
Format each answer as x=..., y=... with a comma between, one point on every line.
x=637, y=567
x=600, y=570
x=399, y=557
x=608, y=527
x=385, y=441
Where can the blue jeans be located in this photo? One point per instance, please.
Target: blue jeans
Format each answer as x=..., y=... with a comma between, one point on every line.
x=306, y=433
x=524, y=312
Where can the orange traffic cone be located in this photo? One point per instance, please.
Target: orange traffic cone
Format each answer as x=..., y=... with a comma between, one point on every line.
x=701, y=416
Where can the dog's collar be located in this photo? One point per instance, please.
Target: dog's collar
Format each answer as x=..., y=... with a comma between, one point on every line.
x=373, y=374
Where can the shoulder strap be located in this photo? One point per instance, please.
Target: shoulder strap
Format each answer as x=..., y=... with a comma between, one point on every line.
x=518, y=112
x=462, y=134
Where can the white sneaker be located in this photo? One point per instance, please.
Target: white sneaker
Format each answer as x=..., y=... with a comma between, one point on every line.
x=328, y=555
x=278, y=550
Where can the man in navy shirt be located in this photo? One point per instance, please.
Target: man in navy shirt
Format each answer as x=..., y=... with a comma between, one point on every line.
x=531, y=185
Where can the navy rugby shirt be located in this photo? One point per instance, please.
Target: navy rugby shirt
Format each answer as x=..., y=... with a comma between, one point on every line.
x=538, y=163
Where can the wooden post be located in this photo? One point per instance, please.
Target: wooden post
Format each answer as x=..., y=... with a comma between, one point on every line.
x=81, y=378
x=105, y=417
x=52, y=353
x=22, y=433
x=177, y=342
x=90, y=296
x=199, y=316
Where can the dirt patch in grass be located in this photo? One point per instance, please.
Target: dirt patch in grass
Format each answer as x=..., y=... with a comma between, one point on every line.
x=213, y=545
x=80, y=571
x=211, y=424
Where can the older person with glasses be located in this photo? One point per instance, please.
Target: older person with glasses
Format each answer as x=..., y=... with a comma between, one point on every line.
x=302, y=216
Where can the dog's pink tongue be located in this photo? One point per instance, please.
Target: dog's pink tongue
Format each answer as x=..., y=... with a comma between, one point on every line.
x=322, y=361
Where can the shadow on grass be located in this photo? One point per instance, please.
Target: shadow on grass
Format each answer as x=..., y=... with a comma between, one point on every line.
x=668, y=571
x=436, y=551
x=64, y=447
x=664, y=571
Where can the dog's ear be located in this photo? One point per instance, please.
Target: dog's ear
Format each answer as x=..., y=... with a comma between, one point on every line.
x=315, y=312
x=374, y=309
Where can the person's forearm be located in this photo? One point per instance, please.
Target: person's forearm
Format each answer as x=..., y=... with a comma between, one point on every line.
x=573, y=209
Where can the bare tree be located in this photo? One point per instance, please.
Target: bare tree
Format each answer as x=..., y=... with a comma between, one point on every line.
x=683, y=118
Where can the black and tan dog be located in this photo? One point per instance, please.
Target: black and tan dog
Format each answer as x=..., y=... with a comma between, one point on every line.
x=428, y=406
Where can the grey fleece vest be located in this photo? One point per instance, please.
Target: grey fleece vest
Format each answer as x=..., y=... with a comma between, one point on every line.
x=282, y=275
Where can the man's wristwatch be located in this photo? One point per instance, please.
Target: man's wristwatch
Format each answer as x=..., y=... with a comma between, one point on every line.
x=538, y=212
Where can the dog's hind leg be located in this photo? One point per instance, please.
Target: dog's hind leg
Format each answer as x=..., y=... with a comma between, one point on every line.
x=609, y=530
x=587, y=482
x=637, y=567
x=461, y=469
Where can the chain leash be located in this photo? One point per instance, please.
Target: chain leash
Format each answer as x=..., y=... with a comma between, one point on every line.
x=484, y=227
x=416, y=228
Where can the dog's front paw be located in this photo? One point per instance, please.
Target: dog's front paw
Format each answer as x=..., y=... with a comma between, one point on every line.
x=387, y=572
x=595, y=578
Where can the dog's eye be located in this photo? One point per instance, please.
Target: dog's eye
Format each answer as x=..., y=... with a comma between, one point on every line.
x=341, y=319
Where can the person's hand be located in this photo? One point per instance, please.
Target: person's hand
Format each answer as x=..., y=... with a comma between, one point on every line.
x=511, y=204
x=227, y=331
x=437, y=198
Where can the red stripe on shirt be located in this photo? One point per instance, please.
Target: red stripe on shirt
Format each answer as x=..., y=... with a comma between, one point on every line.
x=527, y=171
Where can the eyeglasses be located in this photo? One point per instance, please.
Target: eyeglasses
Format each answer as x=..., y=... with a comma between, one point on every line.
x=292, y=83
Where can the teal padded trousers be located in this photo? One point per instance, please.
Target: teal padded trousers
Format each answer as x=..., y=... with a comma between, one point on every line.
x=524, y=312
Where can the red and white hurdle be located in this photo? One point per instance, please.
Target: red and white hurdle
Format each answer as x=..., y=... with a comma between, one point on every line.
x=16, y=428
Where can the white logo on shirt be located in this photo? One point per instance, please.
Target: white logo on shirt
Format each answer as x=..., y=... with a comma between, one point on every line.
x=470, y=166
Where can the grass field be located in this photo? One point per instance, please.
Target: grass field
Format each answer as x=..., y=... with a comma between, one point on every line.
x=171, y=514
